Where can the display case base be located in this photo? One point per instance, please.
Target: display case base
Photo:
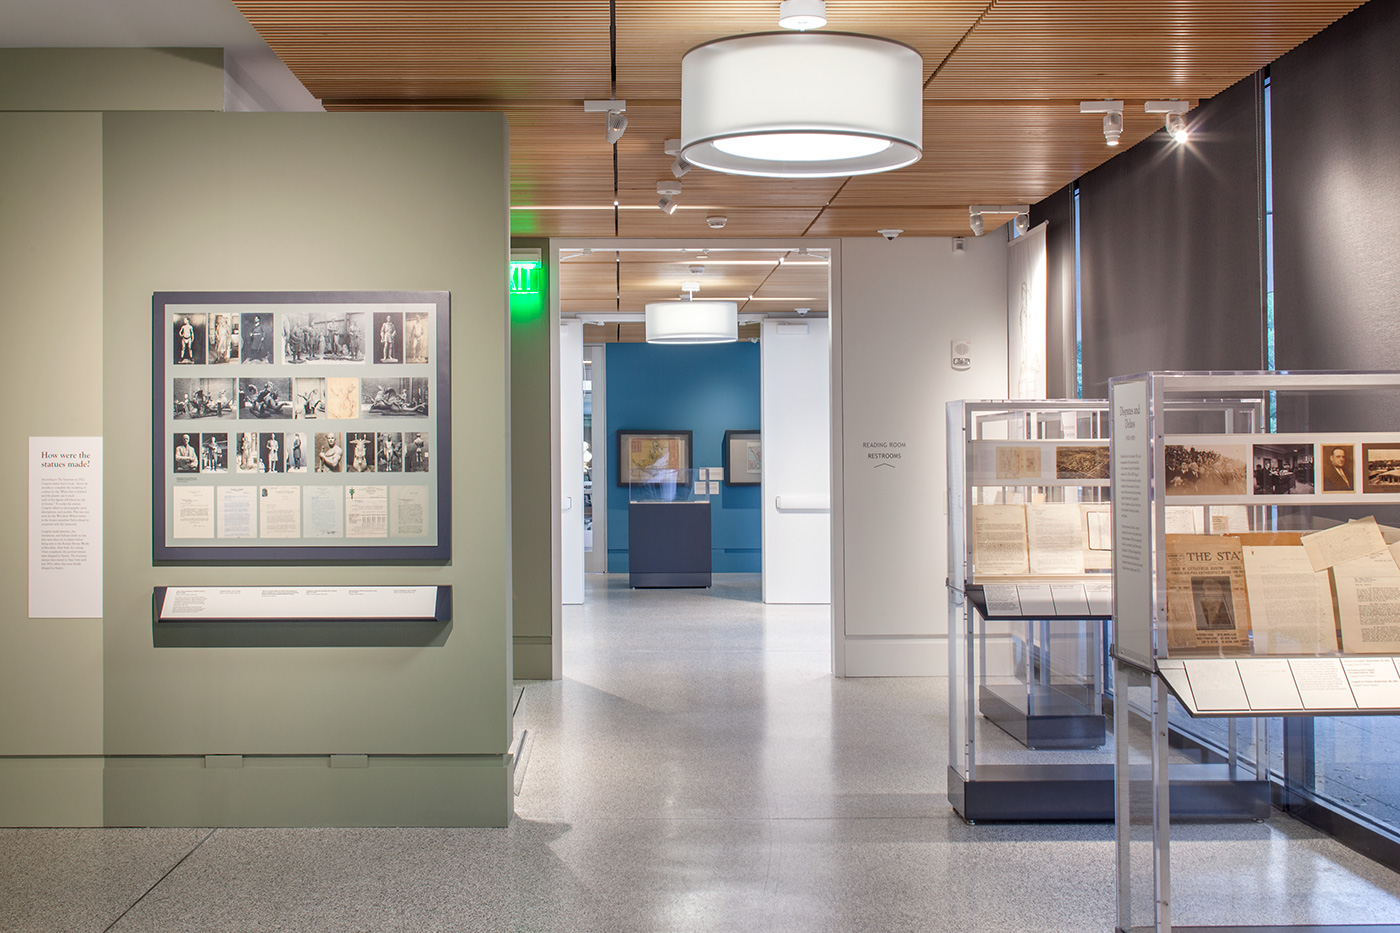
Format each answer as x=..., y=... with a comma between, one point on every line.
x=1042, y=717
x=646, y=580
x=1050, y=792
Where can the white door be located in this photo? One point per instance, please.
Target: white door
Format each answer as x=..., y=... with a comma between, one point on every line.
x=571, y=459
x=796, y=455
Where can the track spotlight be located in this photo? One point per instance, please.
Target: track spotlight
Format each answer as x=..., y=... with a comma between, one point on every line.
x=679, y=168
x=1176, y=116
x=617, y=120
x=617, y=125
x=1112, y=111
x=668, y=191
x=1176, y=127
x=1021, y=213
x=1112, y=127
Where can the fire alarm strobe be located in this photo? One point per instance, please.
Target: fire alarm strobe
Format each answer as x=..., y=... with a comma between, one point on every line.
x=962, y=354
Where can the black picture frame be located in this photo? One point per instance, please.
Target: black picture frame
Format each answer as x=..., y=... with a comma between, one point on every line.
x=684, y=452
x=298, y=342
x=738, y=470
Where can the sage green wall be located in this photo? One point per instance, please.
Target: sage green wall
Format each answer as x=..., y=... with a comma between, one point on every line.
x=51, y=303
x=51, y=355
x=111, y=79
x=292, y=202
x=534, y=443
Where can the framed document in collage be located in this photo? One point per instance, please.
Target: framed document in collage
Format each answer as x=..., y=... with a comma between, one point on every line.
x=301, y=426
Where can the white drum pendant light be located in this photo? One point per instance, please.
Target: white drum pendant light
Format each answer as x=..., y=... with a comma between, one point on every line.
x=802, y=105
x=692, y=322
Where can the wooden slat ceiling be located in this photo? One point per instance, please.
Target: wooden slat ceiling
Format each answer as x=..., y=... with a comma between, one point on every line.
x=1004, y=79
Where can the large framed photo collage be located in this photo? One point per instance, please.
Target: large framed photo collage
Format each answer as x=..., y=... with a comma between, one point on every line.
x=301, y=425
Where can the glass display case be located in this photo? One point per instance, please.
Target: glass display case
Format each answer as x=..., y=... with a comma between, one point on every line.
x=1029, y=594
x=668, y=527
x=1255, y=581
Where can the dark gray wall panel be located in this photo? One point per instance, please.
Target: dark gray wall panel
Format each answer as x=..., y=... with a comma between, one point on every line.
x=1170, y=249
x=1336, y=113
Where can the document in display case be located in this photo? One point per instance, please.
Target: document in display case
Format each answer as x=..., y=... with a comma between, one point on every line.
x=1029, y=596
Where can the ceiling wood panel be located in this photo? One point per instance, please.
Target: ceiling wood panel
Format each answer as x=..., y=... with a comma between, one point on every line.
x=1001, y=118
x=1121, y=48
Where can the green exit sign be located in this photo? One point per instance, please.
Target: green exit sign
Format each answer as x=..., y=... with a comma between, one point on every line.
x=524, y=278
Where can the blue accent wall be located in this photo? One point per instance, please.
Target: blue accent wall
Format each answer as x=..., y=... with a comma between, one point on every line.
x=707, y=389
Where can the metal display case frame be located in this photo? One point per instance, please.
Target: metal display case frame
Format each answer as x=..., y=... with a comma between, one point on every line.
x=1151, y=413
x=1018, y=660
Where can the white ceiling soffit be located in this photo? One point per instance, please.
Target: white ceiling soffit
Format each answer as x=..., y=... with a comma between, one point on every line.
x=111, y=24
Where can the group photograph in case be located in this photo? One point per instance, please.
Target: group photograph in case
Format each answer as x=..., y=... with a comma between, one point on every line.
x=241, y=476
x=1207, y=469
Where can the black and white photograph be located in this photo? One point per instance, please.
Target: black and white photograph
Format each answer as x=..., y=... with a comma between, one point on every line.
x=310, y=397
x=388, y=336
x=1380, y=465
x=256, y=330
x=1207, y=469
x=390, y=397
x=323, y=336
x=270, y=450
x=186, y=458
x=203, y=398
x=1338, y=468
x=297, y=453
x=359, y=452
x=415, y=456
x=388, y=456
x=1283, y=469
x=265, y=398
x=246, y=460
x=223, y=338
x=1081, y=463
x=330, y=453
x=189, y=332
x=1214, y=604
x=415, y=327
x=213, y=454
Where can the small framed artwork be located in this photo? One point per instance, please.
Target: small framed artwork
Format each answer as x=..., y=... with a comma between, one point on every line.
x=743, y=458
x=1380, y=465
x=647, y=456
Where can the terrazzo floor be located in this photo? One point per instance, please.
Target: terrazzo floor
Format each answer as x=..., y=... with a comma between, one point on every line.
x=698, y=769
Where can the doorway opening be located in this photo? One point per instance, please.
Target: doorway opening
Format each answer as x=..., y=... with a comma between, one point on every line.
x=773, y=408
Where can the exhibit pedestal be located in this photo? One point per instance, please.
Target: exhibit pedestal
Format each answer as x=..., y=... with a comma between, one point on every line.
x=668, y=544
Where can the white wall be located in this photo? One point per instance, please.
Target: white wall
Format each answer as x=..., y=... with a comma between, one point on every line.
x=796, y=414
x=902, y=304
x=571, y=458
